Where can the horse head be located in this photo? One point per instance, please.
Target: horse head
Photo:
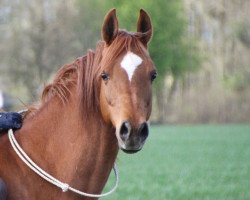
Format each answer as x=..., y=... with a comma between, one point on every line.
x=126, y=74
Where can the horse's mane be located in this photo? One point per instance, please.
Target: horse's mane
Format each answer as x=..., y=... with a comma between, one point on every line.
x=85, y=71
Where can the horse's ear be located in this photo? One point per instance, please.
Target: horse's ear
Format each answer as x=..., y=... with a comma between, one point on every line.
x=110, y=27
x=144, y=26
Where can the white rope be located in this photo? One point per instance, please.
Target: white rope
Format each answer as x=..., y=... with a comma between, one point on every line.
x=64, y=186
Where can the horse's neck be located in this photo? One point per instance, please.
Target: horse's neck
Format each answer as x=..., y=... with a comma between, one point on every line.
x=81, y=154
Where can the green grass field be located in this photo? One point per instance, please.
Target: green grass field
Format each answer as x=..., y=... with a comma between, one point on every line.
x=205, y=162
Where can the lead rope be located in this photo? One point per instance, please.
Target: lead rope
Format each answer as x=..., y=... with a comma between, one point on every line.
x=64, y=186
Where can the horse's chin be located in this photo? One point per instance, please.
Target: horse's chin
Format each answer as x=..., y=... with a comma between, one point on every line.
x=130, y=151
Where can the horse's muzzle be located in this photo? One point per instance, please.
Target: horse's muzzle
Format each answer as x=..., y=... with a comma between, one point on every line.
x=131, y=140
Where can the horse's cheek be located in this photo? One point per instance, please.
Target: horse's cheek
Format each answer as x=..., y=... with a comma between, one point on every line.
x=107, y=103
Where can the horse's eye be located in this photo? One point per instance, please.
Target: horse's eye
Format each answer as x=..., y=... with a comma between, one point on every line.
x=105, y=76
x=153, y=75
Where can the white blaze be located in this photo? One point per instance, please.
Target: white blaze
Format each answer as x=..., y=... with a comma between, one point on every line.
x=130, y=62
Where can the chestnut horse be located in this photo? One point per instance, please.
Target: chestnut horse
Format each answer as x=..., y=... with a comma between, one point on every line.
x=95, y=106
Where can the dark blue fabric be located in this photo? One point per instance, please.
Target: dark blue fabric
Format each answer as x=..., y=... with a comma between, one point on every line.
x=3, y=190
x=10, y=120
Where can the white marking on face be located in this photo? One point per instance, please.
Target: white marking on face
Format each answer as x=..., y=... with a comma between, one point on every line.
x=130, y=62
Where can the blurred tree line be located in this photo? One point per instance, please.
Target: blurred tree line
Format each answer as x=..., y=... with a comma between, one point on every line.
x=38, y=37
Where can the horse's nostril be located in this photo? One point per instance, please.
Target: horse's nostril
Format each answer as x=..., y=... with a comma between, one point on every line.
x=125, y=130
x=143, y=131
